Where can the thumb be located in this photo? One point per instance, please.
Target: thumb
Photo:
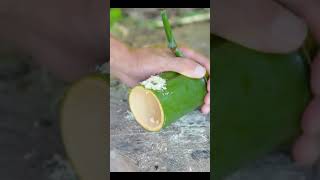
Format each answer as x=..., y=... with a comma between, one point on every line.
x=185, y=67
x=262, y=25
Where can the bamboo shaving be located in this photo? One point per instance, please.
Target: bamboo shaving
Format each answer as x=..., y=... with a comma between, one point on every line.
x=129, y=115
x=155, y=83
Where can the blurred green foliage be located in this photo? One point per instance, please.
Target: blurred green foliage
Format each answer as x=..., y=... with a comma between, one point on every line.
x=115, y=15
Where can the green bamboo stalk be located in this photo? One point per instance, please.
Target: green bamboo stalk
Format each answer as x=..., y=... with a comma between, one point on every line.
x=170, y=38
x=259, y=99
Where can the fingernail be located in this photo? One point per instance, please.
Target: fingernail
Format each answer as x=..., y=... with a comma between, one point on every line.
x=199, y=71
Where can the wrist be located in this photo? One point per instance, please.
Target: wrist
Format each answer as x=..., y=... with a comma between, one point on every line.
x=121, y=58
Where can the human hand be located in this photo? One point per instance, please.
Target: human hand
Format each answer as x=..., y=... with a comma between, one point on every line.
x=132, y=66
x=277, y=26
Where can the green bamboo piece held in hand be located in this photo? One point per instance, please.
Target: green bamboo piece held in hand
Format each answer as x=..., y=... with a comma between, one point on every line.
x=259, y=100
x=163, y=99
x=171, y=41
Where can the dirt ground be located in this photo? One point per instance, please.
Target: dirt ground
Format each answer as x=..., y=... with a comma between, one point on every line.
x=184, y=146
x=30, y=143
x=276, y=166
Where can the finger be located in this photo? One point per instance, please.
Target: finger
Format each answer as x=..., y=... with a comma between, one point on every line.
x=315, y=75
x=208, y=86
x=260, y=24
x=306, y=150
x=191, y=54
x=205, y=109
x=310, y=119
x=127, y=80
x=207, y=99
x=183, y=66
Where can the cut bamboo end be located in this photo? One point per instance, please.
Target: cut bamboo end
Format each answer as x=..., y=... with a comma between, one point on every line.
x=83, y=126
x=146, y=108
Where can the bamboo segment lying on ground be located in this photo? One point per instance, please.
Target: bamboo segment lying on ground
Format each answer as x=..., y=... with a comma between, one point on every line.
x=84, y=126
